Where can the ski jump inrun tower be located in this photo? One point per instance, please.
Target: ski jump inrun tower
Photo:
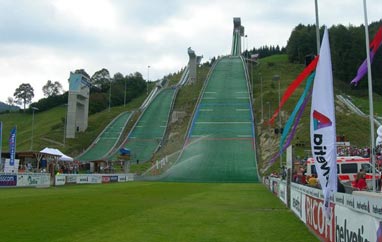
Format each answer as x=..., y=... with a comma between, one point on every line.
x=78, y=104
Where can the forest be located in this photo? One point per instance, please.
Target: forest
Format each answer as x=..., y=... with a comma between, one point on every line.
x=348, y=51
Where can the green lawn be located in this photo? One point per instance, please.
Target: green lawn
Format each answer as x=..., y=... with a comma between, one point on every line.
x=144, y=211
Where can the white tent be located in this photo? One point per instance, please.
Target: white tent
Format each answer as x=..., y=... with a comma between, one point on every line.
x=52, y=152
x=56, y=153
x=65, y=158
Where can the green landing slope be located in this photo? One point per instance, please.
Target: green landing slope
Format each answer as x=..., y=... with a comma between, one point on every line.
x=107, y=139
x=220, y=145
x=148, y=133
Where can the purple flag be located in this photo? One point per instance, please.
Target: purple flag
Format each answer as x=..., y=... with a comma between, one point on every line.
x=374, y=45
x=362, y=70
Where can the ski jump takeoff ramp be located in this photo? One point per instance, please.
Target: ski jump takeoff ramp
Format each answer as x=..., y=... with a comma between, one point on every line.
x=220, y=146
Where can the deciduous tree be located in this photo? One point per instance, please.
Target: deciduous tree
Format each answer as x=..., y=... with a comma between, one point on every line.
x=24, y=94
x=52, y=88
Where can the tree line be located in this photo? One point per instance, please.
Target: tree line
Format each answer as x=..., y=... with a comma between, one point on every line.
x=348, y=50
x=265, y=51
x=123, y=90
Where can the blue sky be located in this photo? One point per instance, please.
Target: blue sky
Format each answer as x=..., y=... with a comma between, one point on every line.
x=43, y=40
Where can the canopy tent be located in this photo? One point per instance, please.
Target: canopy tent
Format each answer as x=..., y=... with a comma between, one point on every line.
x=65, y=158
x=52, y=152
x=55, y=153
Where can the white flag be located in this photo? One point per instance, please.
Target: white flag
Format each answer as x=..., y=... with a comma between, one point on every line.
x=323, y=125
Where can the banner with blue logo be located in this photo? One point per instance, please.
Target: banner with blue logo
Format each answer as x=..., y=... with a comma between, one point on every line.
x=12, y=146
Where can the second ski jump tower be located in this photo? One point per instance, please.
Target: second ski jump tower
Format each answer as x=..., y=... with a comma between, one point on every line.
x=78, y=104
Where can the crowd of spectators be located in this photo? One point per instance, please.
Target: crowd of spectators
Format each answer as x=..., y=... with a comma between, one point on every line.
x=353, y=151
x=67, y=167
x=299, y=168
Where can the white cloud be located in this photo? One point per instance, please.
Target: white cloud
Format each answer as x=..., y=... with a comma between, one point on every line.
x=89, y=15
x=35, y=65
x=44, y=40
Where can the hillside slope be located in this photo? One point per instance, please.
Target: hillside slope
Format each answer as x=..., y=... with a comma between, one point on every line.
x=48, y=126
x=356, y=129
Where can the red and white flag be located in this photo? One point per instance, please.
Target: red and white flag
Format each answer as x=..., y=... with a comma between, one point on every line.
x=323, y=125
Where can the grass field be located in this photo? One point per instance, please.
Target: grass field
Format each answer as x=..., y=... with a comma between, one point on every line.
x=148, y=211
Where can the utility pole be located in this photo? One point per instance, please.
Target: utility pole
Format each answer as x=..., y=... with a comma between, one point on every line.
x=261, y=98
x=110, y=95
x=148, y=79
x=33, y=109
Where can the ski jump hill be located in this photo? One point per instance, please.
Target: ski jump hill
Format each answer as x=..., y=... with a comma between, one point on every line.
x=147, y=133
x=220, y=143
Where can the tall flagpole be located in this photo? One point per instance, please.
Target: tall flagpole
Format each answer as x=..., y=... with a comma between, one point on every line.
x=317, y=28
x=371, y=108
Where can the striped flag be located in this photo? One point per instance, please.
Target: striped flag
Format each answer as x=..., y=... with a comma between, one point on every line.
x=293, y=86
x=292, y=118
x=12, y=146
x=323, y=125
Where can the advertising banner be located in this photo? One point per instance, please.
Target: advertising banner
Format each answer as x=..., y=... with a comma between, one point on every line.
x=365, y=202
x=88, y=178
x=283, y=192
x=323, y=124
x=355, y=226
x=83, y=179
x=275, y=187
x=95, y=179
x=130, y=176
x=376, y=208
x=122, y=178
x=339, y=198
x=12, y=146
x=71, y=179
x=105, y=179
x=9, y=168
x=60, y=180
x=31, y=180
x=8, y=180
x=298, y=204
x=316, y=220
x=113, y=178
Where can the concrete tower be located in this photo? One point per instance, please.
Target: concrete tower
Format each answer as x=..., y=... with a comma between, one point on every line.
x=193, y=62
x=78, y=104
x=238, y=31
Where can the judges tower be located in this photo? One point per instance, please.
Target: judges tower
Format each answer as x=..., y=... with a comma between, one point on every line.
x=193, y=62
x=78, y=104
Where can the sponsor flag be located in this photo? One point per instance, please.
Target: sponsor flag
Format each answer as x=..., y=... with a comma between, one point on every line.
x=12, y=146
x=292, y=132
x=295, y=117
x=292, y=117
x=323, y=125
x=293, y=86
x=374, y=45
